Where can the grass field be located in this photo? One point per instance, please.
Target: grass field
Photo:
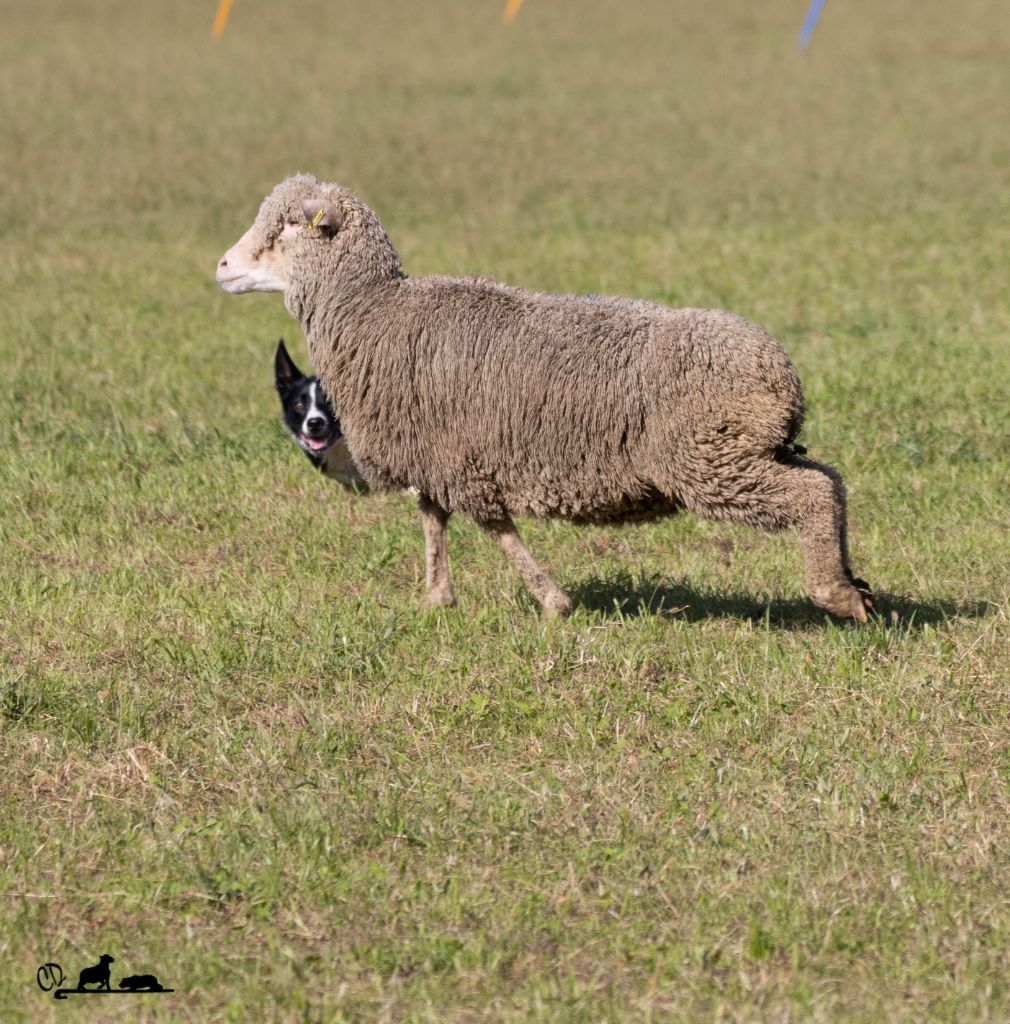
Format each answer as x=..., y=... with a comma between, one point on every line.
x=234, y=753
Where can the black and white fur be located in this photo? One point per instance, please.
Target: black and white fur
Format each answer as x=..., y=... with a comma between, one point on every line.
x=311, y=421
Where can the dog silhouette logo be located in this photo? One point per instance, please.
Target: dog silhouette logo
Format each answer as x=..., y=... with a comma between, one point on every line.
x=96, y=980
x=97, y=975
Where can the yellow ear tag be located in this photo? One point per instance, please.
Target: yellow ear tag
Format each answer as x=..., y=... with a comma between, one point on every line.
x=314, y=223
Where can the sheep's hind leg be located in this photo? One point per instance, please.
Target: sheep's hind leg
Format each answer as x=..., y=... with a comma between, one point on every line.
x=813, y=498
x=437, y=583
x=553, y=600
x=789, y=491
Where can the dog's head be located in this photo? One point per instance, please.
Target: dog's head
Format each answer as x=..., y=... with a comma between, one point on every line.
x=308, y=415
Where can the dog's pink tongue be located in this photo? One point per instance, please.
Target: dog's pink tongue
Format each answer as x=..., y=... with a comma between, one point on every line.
x=315, y=443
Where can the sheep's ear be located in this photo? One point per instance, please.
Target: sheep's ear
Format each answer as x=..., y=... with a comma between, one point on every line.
x=285, y=370
x=322, y=214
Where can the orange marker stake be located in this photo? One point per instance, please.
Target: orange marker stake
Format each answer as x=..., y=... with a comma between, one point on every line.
x=511, y=10
x=221, y=18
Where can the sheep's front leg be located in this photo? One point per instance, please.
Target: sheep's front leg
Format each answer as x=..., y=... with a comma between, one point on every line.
x=438, y=585
x=553, y=600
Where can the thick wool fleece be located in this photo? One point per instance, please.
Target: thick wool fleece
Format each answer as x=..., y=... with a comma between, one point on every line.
x=495, y=401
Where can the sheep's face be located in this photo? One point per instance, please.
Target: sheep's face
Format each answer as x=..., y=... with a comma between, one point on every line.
x=258, y=264
x=261, y=260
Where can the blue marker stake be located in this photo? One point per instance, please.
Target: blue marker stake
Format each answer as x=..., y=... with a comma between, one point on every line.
x=810, y=23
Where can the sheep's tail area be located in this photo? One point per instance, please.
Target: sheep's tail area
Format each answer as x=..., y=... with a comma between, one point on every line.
x=762, y=418
x=779, y=410
x=793, y=428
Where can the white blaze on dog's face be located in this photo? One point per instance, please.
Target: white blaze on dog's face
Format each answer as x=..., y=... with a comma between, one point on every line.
x=260, y=260
x=316, y=418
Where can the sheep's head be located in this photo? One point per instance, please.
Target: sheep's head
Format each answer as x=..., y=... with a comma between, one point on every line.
x=261, y=260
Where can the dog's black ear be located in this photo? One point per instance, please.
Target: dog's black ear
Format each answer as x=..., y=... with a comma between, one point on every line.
x=285, y=371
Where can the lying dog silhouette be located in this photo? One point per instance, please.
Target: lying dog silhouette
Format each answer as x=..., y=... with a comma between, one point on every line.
x=141, y=982
x=97, y=975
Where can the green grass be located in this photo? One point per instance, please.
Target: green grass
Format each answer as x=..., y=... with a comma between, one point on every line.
x=234, y=753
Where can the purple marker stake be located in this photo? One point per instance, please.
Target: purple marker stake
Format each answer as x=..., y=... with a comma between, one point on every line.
x=810, y=23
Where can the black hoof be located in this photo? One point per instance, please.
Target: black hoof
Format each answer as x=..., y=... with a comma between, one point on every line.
x=863, y=588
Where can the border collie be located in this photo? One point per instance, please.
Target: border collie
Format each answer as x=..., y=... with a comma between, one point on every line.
x=311, y=421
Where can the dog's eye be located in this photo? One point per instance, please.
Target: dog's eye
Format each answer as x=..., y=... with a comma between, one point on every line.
x=300, y=406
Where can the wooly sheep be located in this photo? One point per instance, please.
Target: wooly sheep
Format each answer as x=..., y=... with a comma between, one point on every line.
x=496, y=402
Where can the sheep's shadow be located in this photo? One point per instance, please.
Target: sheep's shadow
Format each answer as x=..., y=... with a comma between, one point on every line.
x=623, y=595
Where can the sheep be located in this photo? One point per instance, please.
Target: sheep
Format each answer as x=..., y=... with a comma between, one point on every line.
x=495, y=402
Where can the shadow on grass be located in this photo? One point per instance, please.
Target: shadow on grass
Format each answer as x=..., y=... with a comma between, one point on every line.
x=629, y=596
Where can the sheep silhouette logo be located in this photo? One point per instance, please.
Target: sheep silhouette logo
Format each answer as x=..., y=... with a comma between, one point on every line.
x=96, y=981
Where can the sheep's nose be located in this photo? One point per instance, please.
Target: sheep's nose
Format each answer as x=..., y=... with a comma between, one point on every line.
x=223, y=262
